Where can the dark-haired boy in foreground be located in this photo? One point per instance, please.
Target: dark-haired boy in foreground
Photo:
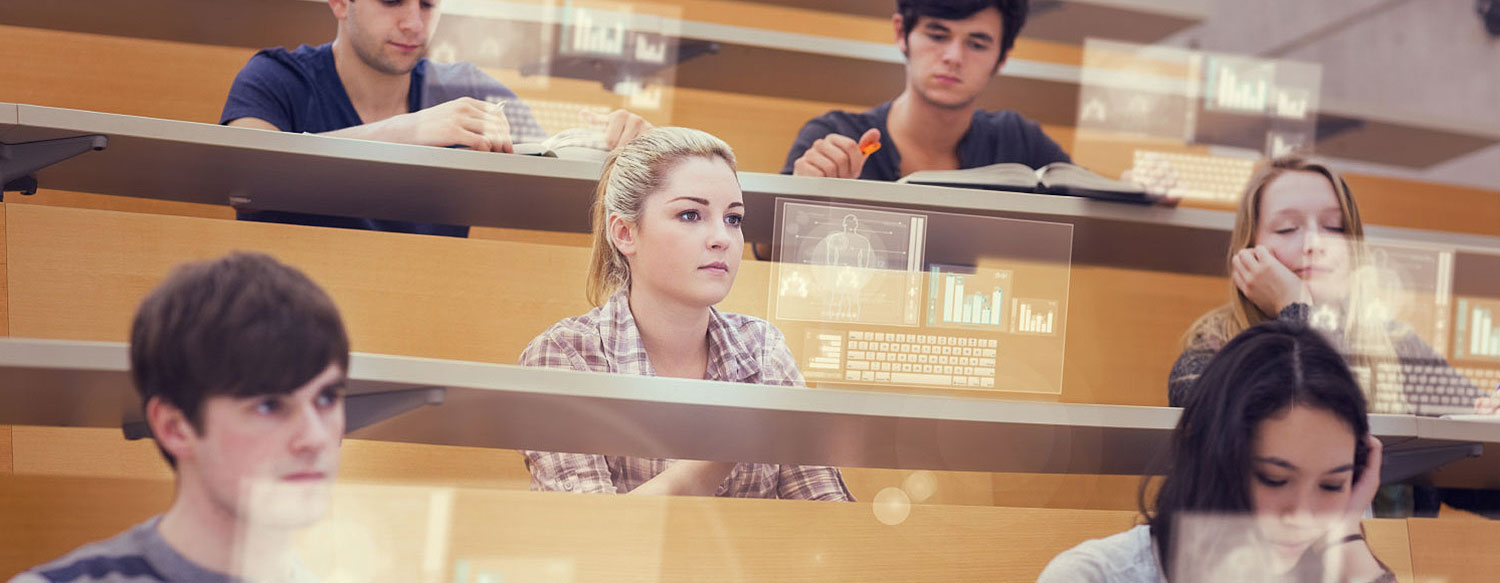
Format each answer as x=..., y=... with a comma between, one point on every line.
x=240, y=363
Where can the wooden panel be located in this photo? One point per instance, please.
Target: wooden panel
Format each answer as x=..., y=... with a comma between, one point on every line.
x=759, y=540
x=1125, y=331
x=104, y=453
x=400, y=294
x=1419, y=205
x=78, y=274
x=1389, y=541
x=6, y=465
x=529, y=236
x=1453, y=551
x=86, y=452
x=378, y=534
x=1079, y=491
x=117, y=75
x=922, y=486
x=80, y=70
x=624, y=538
x=43, y=518
x=124, y=203
x=4, y=277
x=437, y=465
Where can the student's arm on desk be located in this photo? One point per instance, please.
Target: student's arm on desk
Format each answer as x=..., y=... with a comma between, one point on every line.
x=466, y=122
x=590, y=473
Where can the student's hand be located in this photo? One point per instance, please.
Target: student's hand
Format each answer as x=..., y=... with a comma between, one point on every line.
x=1362, y=493
x=620, y=126
x=1268, y=283
x=467, y=122
x=835, y=156
x=1157, y=176
x=1356, y=561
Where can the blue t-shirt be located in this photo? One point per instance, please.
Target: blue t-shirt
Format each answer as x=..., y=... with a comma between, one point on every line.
x=993, y=137
x=300, y=91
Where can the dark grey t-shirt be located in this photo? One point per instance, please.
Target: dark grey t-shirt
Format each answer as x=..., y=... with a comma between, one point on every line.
x=138, y=555
x=993, y=137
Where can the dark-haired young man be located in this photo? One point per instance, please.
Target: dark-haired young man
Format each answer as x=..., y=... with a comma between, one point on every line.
x=953, y=48
x=240, y=363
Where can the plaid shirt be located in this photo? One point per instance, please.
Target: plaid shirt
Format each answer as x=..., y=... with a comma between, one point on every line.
x=741, y=349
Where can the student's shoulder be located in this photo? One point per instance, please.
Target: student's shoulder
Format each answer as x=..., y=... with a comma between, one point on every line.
x=754, y=334
x=751, y=325
x=303, y=63
x=1005, y=121
x=448, y=81
x=848, y=121
x=119, y=559
x=569, y=329
x=1125, y=557
x=569, y=334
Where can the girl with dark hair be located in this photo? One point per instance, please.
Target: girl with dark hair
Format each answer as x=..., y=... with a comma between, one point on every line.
x=1274, y=432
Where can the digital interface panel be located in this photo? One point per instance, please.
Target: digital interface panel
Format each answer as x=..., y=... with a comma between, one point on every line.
x=882, y=297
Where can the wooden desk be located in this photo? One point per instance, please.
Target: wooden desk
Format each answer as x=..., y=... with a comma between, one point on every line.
x=511, y=407
x=210, y=164
x=375, y=533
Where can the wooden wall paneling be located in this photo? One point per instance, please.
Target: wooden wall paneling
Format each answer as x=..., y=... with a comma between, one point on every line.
x=124, y=75
x=103, y=453
x=922, y=486
x=1081, y=491
x=4, y=275
x=1389, y=540
x=1445, y=550
x=124, y=203
x=377, y=533
x=86, y=452
x=1125, y=331
x=131, y=76
x=807, y=541
x=5, y=432
x=43, y=518
x=443, y=298
x=6, y=450
x=400, y=294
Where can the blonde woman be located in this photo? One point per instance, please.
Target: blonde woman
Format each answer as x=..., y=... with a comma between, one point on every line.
x=667, y=246
x=1297, y=253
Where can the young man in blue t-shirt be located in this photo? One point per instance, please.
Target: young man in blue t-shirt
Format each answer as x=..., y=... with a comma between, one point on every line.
x=240, y=364
x=373, y=82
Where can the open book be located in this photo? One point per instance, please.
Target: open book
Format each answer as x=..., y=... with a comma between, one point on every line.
x=1054, y=178
x=572, y=144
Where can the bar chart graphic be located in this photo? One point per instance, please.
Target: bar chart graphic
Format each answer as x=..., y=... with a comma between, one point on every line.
x=1034, y=316
x=976, y=298
x=1476, y=334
